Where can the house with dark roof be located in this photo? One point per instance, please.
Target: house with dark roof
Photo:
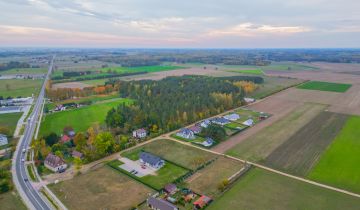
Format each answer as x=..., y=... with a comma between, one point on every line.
x=186, y=133
x=196, y=129
x=160, y=204
x=139, y=133
x=170, y=189
x=220, y=121
x=55, y=163
x=151, y=160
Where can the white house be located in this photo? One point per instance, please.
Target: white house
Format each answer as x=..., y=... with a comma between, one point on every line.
x=220, y=121
x=55, y=163
x=3, y=140
x=232, y=117
x=139, y=133
x=205, y=123
x=248, y=122
x=186, y=133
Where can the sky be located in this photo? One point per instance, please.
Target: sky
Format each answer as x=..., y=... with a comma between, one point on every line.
x=180, y=24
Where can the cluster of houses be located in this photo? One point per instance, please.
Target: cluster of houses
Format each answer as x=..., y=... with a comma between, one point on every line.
x=63, y=107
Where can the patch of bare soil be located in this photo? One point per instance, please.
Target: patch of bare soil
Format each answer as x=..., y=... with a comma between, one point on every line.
x=70, y=85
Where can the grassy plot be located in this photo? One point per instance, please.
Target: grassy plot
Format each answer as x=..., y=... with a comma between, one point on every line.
x=339, y=165
x=141, y=69
x=25, y=71
x=9, y=121
x=102, y=188
x=325, y=86
x=263, y=143
x=183, y=155
x=207, y=180
x=301, y=151
x=249, y=71
x=11, y=201
x=80, y=119
x=260, y=190
x=19, y=87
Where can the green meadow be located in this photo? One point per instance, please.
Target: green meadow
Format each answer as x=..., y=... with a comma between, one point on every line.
x=325, y=86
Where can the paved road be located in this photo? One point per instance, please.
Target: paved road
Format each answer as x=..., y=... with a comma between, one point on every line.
x=29, y=194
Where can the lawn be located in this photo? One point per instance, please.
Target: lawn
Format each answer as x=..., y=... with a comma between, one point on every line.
x=25, y=71
x=302, y=150
x=183, y=155
x=11, y=201
x=19, y=87
x=207, y=180
x=102, y=188
x=259, y=189
x=257, y=147
x=80, y=119
x=325, y=86
x=141, y=69
x=95, y=82
x=235, y=126
x=9, y=121
x=339, y=165
x=249, y=71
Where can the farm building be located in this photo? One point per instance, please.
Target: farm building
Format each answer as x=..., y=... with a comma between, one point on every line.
x=248, y=122
x=170, y=189
x=232, y=117
x=202, y=202
x=220, y=121
x=205, y=123
x=196, y=129
x=3, y=140
x=186, y=133
x=55, y=163
x=160, y=204
x=139, y=133
x=151, y=160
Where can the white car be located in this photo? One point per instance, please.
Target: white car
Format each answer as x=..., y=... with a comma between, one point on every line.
x=23, y=160
x=24, y=150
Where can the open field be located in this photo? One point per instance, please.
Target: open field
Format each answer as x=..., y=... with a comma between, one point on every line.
x=249, y=71
x=338, y=166
x=9, y=121
x=258, y=146
x=276, y=66
x=11, y=201
x=207, y=180
x=79, y=85
x=95, y=82
x=183, y=155
x=25, y=71
x=260, y=190
x=141, y=69
x=19, y=87
x=102, y=188
x=80, y=119
x=301, y=151
x=325, y=86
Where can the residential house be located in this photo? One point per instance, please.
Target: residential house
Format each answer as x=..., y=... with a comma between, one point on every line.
x=55, y=163
x=3, y=140
x=170, y=189
x=220, y=121
x=195, y=129
x=248, y=122
x=232, y=117
x=65, y=138
x=202, y=202
x=208, y=142
x=160, y=204
x=77, y=154
x=249, y=100
x=139, y=133
x=186, y=133
x=151, y=160
x=205, y=123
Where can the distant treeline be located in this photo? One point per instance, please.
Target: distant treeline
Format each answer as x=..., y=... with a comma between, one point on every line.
x=13, y=65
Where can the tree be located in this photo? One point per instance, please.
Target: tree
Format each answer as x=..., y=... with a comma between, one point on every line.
x=215, y=132
x=78, y=163
x=51, y=139
x=79, y=141
x=104, y=143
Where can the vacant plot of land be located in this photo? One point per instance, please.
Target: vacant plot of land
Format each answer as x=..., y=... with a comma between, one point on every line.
x=11, y=201
x=80, y=119
x=79, y=85
x=19, y=87
x=25, y=71
x=141, y=69
x=302, y=150
x=102, y=188
x=9, y=121
x=263, y=143
x=325, y=86
x=186, y=156
x=207, y=180
x=339, y=165
x=249, y=71
x=259, y=190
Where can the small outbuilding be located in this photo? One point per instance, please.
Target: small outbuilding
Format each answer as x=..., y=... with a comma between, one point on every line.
x=202, y=202
x=139, y=133
x=77, y=154
x=170, y=189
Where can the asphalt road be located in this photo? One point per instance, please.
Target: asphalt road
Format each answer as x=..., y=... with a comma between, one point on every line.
x=33, y=195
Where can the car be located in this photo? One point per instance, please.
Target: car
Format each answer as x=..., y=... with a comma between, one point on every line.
x=26, y=179
x=23, y=160
x=24, y=150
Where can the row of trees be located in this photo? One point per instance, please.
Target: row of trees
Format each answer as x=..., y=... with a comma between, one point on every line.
x=13, y=65
x=173, y=102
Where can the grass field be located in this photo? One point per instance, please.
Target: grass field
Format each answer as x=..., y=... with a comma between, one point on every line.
x=9, y=121
x=260, y=190
x=19, y=87
x=80, y=119
x=25, y=71
x=141, y=69
x=277, y=66
x=207, y=180
x=249, y=71
x=102, y=188
x=95, y=82
x=183, y=155
x=302, y=150
x=325, y=86
x=263, y=143
x=11, y=201
x=339, y=165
